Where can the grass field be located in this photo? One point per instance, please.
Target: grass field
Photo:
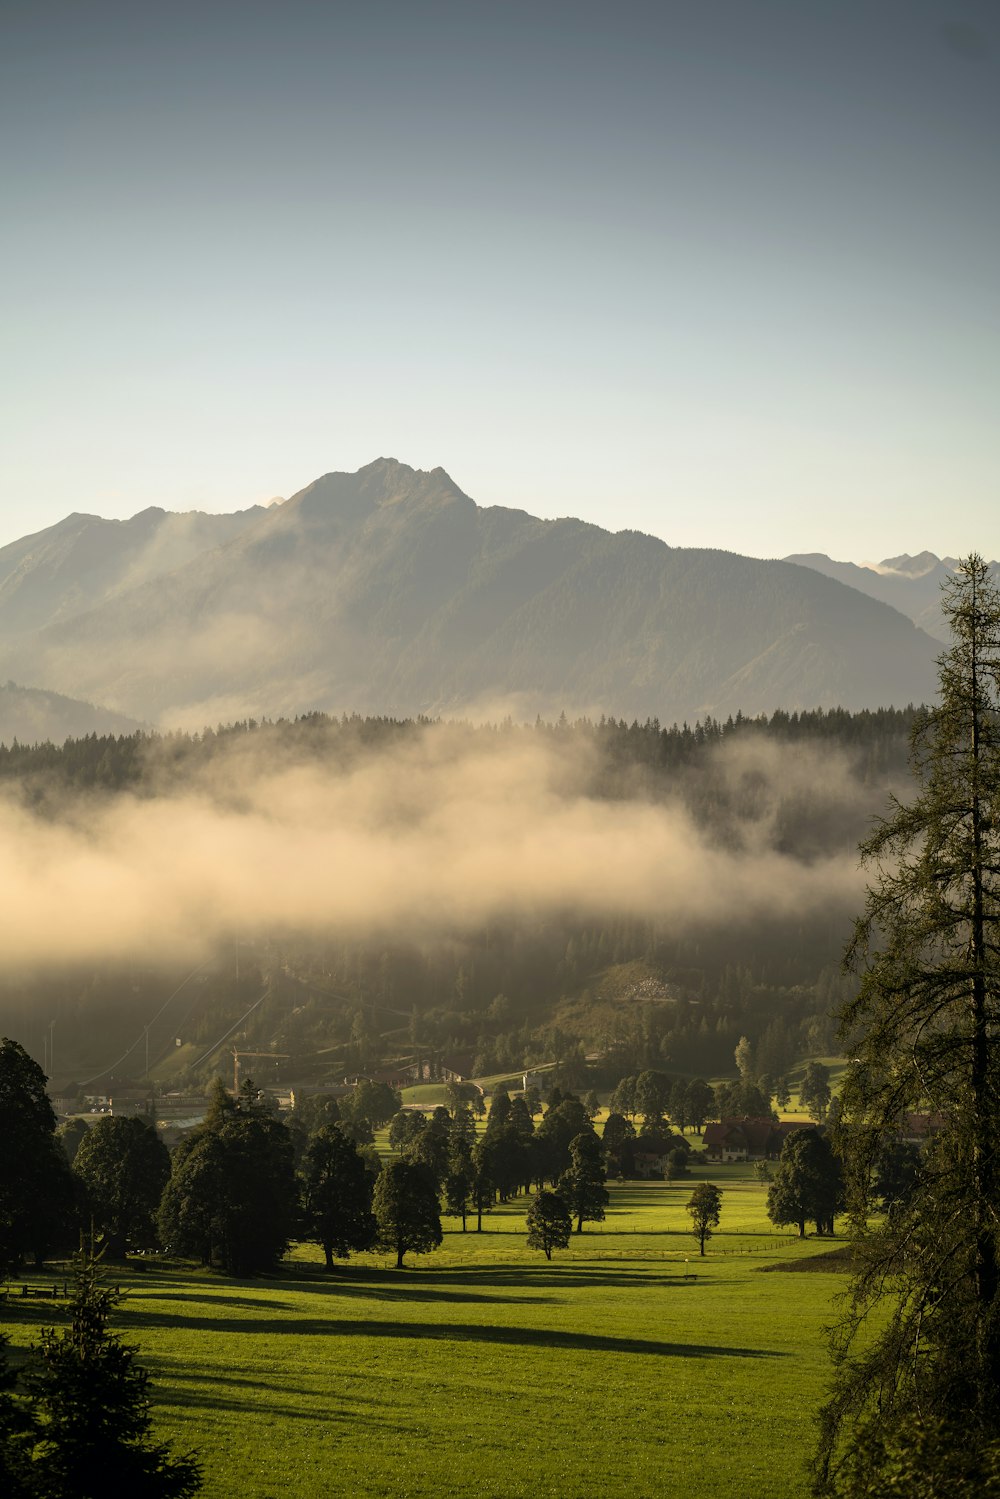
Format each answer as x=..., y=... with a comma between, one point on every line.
x=482, y=1368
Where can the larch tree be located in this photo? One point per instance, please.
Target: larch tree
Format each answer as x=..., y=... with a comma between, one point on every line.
x=814, y=1091
x=920, y=1385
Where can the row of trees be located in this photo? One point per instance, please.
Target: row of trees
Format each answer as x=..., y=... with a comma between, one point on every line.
x=242, y=1185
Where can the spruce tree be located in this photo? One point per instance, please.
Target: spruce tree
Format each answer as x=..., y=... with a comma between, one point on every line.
x=91, y=1411
x=923, y=1031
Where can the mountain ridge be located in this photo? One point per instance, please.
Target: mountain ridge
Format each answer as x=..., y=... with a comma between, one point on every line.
x=912, y=585
x=391, y=590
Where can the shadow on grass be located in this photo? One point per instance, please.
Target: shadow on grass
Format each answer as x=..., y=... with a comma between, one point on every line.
x=138, y=1294
x=191, y=1393
x=403, y=1291
x=455, y=1283
x=458, y=1332
x=393, y=1283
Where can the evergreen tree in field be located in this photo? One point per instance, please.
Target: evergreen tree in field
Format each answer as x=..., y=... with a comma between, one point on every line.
x=430, y=1146
x=581, y=1186
x=924, y=1033
x=232, y=1198
x=124, y=1167
x=36, y=1189
x=549, y=1223
x=404, y=1127
x=91, y=1411
x=652, y=1096
x=623, y=1098
x=336, y=1195
x=406, y=1210
x=562, y=1123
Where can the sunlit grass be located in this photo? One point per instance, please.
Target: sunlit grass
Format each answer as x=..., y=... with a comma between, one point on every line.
x=626, y=1366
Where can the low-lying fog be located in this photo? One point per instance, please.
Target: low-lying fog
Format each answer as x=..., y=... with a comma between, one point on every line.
x=444, y=832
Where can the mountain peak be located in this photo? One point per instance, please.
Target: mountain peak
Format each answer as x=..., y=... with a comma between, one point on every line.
x=379, y=485
x=910, y=567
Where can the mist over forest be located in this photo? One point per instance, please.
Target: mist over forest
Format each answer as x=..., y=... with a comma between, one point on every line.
x=368, y=888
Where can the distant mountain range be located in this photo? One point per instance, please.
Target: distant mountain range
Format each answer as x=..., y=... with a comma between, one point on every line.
x=391, y=591
x=910, y=584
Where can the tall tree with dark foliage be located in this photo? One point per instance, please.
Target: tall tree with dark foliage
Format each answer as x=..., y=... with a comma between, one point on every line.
x=921, y=1394
x=36, y=1191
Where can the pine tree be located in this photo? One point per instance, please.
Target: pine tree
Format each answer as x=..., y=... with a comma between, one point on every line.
x=92, y=1413
x=923, y=1031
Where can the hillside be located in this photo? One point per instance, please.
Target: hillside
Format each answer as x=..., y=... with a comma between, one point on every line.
x=910, y=584
x=390, y=590
x=32, y=716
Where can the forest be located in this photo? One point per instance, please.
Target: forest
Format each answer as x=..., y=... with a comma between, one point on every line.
x=507, y=895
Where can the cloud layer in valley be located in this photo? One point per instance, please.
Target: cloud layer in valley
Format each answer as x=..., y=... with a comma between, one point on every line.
x=441, y=833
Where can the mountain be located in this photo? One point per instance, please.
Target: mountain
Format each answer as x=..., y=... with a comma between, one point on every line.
x=32, y=716
x=391, y=591
x=910, y=584
x=84, y=560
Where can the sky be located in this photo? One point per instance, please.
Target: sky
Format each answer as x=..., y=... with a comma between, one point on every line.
x=725, y=271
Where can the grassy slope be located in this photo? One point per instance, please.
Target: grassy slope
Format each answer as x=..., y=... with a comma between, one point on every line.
x=483, y=1366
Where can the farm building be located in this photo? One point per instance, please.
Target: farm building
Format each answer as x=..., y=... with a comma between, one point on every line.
x=749, y=1139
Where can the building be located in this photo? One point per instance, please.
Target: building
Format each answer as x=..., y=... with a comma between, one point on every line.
x=749, y=1139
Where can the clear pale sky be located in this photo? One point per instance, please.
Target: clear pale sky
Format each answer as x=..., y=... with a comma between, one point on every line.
x=727, y=271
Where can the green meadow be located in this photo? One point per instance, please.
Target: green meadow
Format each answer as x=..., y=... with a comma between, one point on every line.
x=628, y=1365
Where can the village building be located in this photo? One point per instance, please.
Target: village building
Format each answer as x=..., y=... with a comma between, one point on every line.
x=749, y=1139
